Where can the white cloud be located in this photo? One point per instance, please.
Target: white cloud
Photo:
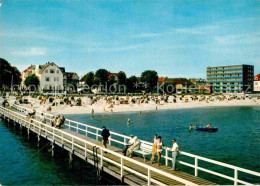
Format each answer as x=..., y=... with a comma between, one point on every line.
x=146, y=35
x=231, y=39
x=31, y=51
x=196, y=30
x=115, y=49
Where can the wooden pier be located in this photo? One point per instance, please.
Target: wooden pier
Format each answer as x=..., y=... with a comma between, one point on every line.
x=82, y=140
x=132, y=171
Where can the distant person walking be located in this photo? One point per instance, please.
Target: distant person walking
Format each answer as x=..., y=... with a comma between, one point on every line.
x=105, y=135
x=174, y=150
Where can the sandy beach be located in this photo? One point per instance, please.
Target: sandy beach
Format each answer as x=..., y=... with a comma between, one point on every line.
x=101, y=105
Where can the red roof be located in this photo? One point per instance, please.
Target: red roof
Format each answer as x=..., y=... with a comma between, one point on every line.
x=112, y=74
x=257, y=77
x=161, y=79
x=27, y=69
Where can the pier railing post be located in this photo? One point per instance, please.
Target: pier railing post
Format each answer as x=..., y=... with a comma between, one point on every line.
x=62, y=139
x=166, y=157
x=53, y=136
x=77, y=128
x=97, y=134
x=72, y=145
x=124, y=141
x=109, y=140
x=101, y=159
x=196, y=166
x=149, y=177
x=235, y=176
x=86, y=147
x=122, y=169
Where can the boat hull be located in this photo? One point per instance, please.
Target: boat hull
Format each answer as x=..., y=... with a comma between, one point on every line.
x=207, y=129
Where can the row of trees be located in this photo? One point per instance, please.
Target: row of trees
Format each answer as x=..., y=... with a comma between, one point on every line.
x=147, y=81
x=9, y=75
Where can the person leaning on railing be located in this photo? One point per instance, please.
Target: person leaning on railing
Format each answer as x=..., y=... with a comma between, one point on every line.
x=174, y=150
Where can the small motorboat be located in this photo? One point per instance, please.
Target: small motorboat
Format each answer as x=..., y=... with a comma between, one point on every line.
x=210, y=129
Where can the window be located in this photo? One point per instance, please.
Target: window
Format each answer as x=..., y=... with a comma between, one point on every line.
x=51, y=71
x=46, y=71
x=47, y=79
x=56, y=78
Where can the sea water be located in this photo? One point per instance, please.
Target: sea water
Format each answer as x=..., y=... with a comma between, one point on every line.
x=237, y=142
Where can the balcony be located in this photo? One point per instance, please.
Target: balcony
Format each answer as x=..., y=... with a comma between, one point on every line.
x=234, y=77
x=215, y=70
x=224, y=73
x=225, y=81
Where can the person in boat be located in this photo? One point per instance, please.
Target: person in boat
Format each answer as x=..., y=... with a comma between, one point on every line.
x=154, y=148
x=208, y=125
x=128, y=122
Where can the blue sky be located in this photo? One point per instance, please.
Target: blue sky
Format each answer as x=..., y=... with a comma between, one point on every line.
x=177, y=38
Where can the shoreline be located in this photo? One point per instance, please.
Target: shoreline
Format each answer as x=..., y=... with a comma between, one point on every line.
x=103, y=108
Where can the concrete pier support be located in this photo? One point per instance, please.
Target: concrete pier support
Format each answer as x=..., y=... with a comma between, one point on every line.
x=38, y=141
x=28, y=132
x=52, y=150
x=71, y=161
x=21, y=129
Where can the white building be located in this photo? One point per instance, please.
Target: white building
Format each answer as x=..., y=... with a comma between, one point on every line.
x=257, y=83
x=50, y=76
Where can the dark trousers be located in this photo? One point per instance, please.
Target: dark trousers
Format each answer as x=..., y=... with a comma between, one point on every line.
x=125, y=149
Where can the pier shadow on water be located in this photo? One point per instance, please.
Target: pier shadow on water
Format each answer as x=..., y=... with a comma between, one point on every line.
x=24, y=163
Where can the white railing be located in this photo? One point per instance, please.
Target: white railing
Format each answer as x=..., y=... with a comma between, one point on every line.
x=86, y=129
x=44, y=129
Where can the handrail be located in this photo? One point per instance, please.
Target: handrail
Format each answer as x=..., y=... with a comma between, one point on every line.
x=149, y=168
x=167, y=158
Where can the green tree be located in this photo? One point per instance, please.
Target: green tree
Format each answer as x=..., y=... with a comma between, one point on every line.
x=8, y=74
x=121, y=78
x=150, y=79
x=132, y=83
x=32, y=82
x=90, y=79
x=102, y=76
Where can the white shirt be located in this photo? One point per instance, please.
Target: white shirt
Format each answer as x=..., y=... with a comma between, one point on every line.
x=174, y=147
x=131, y=141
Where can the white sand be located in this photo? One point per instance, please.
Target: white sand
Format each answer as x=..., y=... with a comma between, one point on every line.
x=102, y=107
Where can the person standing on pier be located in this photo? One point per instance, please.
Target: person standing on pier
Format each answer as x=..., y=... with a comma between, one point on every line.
x=159, y=149
x=105, y=135
x=154, y=148
x=174, y=150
